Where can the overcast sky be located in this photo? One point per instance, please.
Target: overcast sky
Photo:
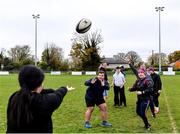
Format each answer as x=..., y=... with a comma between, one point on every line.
x=125, y=24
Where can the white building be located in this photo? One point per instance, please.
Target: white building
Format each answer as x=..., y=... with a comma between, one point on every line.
x=113, y=63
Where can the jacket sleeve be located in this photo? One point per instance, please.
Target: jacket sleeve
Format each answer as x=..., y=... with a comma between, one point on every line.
x=45, y=91
x=134, y=70
x=134, y=87
x=88, y=83
x=54, y=99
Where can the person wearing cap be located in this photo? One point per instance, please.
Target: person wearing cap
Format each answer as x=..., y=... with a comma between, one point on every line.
x=118, y=83
x=123, y=70
x=156, y=88
x=30, y=108
x=143, y=87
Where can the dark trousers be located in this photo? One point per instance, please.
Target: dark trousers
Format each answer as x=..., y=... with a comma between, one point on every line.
x=119, y=96
x=141, y=108
x=155, y=99
x=151, y=105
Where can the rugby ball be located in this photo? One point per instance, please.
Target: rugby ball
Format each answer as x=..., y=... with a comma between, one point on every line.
x=83, y=26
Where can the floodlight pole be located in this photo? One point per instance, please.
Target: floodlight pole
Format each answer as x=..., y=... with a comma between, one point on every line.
x=36, y=17
x=159, y=9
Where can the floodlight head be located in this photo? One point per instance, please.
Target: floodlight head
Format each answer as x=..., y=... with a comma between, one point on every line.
x=36, y=16
x=162, y=8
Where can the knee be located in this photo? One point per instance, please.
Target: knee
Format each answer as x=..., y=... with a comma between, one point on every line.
x=90, y=109
x=103, y=108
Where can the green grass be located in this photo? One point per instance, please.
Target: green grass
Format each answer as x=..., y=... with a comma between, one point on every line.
x=69, y=117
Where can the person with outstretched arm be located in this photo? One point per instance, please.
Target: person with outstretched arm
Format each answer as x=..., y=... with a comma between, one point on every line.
x=30, y=108
x=143, y=87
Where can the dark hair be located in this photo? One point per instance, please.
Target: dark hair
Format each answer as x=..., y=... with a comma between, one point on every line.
x=101, y=72
x=30, y=77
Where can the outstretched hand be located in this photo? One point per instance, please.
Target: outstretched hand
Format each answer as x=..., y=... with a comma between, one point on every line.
x=138, y=92
x=70, y=88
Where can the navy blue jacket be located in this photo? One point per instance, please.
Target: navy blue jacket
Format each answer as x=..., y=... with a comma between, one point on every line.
x=95, y=91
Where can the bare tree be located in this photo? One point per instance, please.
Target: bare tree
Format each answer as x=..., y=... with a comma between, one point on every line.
x=155, y=59
x=120, y=56
x=85, y=47
x=20, y=53
x=133, y=57
x=52, y=56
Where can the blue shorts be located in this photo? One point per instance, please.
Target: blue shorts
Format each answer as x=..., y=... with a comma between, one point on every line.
x=105, y=93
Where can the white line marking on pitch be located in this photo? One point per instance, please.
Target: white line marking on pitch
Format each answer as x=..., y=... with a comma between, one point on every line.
x=173, y=123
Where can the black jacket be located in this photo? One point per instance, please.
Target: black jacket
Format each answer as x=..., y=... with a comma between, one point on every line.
x=135, y=71
x=145, y=86
x=42, y=107
x=95, y=91
x=157, y=82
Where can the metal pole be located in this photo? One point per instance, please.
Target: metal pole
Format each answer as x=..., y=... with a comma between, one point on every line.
x=159, y=41
x=152, y=57
x=36, y=41
x=36, y=17
x=159, y=9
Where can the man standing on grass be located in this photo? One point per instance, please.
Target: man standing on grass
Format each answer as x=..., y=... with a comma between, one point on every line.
x=156, y=88
x=94, y=96
x=118, y=83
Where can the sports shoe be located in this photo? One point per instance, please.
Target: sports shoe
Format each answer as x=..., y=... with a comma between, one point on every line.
x=87, y=125
x=154, y=115
x=116, y=105
x=148, y=127
x=106, y=124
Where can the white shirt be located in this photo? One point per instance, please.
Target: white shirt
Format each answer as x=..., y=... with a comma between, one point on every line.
x=118, y=79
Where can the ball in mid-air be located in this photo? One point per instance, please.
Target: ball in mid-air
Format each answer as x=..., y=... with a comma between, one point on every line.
x=83, y=26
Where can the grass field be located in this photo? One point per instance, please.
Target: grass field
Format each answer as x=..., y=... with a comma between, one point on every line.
x=70, y=116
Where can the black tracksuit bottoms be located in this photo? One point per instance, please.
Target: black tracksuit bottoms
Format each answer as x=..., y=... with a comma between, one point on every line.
x=119, y=96
x=141, y=108
x=155, y=99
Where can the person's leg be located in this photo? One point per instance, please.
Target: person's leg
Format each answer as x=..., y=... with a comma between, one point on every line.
x=103, y=110
x=104, y=114
x=122, y=96
x=143, y=108
x=90, y=107
x=138, y=104
x=116, y=98
x=151, y=105
x=88, y=114
x=156, y=102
